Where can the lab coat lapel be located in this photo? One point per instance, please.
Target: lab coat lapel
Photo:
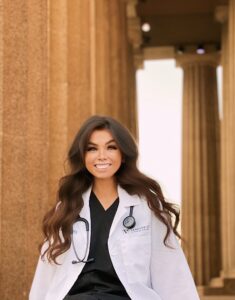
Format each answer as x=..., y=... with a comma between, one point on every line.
x=80, y=240
x=84, y=213
x=125, y=201
x=79, y=232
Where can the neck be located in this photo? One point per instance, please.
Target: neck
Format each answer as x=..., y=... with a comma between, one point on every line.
x=105, y=188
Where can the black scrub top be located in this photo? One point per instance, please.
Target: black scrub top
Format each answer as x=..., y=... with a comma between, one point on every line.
x=98, y=278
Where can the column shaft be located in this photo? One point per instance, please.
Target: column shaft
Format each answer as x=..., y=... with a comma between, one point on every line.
x=229, y=150
x=58, y=91
x=225, y=284
x=201, y=193
x=24, y=141
x=131, y=103
x=61, y=61
x=111, y=72
x=99, y=68
x=81, y=100
x=224, y=147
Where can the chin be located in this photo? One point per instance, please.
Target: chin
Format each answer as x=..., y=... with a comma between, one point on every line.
x=102, y=176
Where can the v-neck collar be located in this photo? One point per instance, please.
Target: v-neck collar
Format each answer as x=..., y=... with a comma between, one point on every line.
x=125, y=201
x=93, y=197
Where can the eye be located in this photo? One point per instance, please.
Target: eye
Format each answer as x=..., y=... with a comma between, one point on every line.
x=112, y=147
x=91, y=148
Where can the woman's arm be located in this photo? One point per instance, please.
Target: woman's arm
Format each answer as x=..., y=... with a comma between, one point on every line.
x=170, y=274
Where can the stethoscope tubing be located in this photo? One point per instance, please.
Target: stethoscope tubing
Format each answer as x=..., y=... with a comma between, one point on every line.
x=128, y=223
x=87, y=244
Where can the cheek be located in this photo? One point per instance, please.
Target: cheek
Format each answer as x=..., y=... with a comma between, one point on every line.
x=88, y=160
x=118, y=159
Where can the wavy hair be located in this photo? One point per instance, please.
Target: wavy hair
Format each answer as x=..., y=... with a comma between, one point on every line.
x=58, y=222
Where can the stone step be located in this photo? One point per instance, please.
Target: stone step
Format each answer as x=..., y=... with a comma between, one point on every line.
x=217, y=298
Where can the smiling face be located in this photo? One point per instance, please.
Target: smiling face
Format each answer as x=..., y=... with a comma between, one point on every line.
x=103, y=158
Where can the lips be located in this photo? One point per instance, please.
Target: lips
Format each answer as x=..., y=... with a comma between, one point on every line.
x=102, y=166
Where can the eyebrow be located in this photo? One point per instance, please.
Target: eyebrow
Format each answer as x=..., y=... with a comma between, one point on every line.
x=111, y=141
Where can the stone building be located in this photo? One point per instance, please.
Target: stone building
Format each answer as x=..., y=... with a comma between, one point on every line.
x=60, y=62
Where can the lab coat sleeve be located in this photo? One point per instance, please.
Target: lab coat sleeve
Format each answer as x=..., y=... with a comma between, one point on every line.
x=42, y=279
x=170, y=274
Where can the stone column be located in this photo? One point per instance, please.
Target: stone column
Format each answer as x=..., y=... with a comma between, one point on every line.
x=98, y=62
x=132, y=97
x=109, y=55
x=58, y=91
x=60, y=62
x=200, y=191
x=80, y=64
x=228, y=149
x=134, y=60
x=24, y=140
x=222, y=17
x=229, y=113
x=225, y=284
x=90, y=70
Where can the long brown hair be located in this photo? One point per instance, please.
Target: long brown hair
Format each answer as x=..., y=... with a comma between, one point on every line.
x=57, y=223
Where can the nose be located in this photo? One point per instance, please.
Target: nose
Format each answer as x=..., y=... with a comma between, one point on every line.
x=102, y=154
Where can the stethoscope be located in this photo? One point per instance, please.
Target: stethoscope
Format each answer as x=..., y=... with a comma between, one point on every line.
x=128, y=223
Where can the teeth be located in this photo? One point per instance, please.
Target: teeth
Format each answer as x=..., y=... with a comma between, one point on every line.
x=103, y=166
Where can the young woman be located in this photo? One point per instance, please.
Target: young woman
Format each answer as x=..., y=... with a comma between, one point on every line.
x=110, y=235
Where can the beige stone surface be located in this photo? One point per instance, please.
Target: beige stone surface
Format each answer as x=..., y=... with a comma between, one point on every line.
x=110, y=75
x=24, y=146
x=58, y=91
x=80, y=105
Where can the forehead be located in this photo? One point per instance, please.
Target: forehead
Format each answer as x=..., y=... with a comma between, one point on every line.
x=101, y=135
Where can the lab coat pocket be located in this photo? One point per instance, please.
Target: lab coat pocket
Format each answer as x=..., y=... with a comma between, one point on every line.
x=136, y=250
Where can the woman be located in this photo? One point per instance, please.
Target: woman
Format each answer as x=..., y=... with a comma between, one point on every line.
x=110, y=234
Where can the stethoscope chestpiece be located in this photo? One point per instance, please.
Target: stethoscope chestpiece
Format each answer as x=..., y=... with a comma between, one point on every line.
x=129, y=221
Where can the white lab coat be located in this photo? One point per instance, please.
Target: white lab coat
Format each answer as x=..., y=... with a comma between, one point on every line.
x=146, y=267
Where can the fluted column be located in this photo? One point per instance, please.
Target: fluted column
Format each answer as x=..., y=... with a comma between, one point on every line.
x=58, y=91
x=98, y=62
x=226, y=16
x=222, y=17
x=110, y=79
x=228, y=161
x=200, y=191
x=132, y=97
x=225, y=283
x=80, y=63
x=24, y=140
x=90, y=70
x=134, y=60
x=60, y=62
